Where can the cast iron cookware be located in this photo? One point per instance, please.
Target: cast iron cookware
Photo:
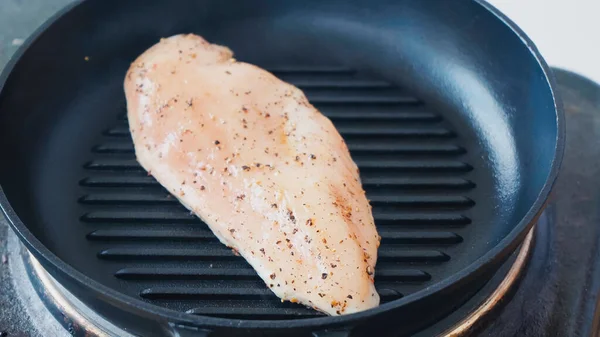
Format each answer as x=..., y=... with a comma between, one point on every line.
x=446, y=106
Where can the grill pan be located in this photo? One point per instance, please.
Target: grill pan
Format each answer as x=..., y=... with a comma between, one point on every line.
x=447, y=108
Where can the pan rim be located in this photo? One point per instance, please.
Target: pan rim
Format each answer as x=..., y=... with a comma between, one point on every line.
x=134, y=305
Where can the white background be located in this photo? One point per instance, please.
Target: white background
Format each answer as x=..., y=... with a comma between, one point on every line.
x=567, y=32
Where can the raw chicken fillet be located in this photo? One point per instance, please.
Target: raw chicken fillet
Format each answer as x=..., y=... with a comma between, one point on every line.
x=267, y=172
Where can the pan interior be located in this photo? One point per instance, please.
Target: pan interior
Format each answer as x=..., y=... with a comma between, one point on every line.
x=451, y=133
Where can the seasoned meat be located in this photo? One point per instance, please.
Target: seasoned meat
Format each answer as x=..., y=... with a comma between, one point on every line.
x=268, y=173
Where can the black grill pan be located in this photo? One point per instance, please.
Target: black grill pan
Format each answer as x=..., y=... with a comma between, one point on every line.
x=447, y=109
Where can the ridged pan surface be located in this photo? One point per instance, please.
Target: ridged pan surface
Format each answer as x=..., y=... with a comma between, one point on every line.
x=415, y=166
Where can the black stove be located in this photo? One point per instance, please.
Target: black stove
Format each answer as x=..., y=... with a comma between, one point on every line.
x=548, y=288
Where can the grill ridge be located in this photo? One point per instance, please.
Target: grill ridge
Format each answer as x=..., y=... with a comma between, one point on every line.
x=397, y=201
x=257, y=293
x=142, y=233
x=393, y=274
x=218, y=252
x=355, y=147
x=130, y=164
x=412, y=166
x=418, y=131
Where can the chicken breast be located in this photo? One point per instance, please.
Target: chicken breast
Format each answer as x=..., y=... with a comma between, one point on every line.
x=268, y=173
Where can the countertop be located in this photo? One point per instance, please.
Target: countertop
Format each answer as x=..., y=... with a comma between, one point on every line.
x=565, y=31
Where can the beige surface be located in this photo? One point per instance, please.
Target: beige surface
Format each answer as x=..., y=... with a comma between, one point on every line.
x=567, y=32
